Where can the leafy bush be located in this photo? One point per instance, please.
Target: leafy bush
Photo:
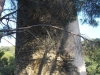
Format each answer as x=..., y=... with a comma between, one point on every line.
x=6, y=63
x=92, y=56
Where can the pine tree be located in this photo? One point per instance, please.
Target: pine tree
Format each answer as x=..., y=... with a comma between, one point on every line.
x=44, y=50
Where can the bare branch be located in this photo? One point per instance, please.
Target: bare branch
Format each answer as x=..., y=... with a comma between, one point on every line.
x=8, y=15
x=28, y=27
x=8, y=41
x=33, y=35
x=9, y=33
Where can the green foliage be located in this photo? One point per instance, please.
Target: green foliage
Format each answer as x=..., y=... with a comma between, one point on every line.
x=10, y=49
x=92, y=56
x=1, y=54
x=6, y=61
x=6, y=48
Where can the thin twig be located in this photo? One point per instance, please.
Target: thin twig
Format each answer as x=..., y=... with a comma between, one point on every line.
x=33, y=34
x=8, y=41
x=7, y=15
x=2, y=35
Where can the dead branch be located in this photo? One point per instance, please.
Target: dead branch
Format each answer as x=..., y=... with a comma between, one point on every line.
x=28, y=27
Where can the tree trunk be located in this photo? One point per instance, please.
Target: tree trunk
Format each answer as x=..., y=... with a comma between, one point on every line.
x=1, y=5
x=39, y=50
x=72, y=45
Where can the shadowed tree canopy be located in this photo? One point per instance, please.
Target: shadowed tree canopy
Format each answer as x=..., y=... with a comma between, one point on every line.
x=90, y=9
x=63, y=14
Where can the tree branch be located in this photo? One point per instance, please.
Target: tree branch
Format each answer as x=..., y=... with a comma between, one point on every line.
x=8, y=41
x=8, y=15
x=39, y=25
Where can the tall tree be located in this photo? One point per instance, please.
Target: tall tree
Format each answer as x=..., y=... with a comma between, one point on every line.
x=72, y=45
x=44, y=47
x=44, y=50
x=59, y=13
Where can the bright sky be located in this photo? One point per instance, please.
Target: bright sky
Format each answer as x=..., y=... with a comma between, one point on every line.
x=8, y=41
x=88, y=31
